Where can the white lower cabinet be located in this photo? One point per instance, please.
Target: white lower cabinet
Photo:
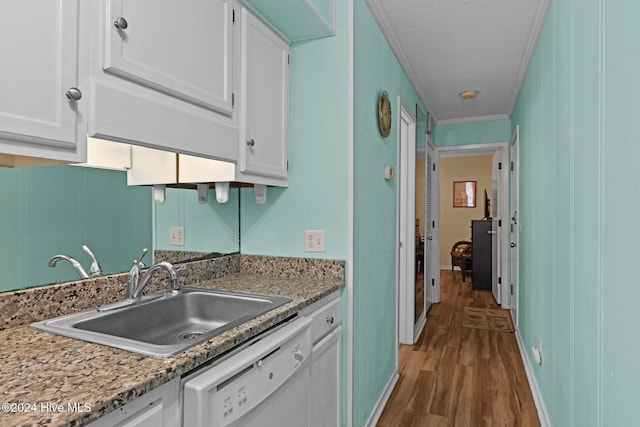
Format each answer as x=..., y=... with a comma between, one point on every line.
x=158, y=408
x=325, y=365
x=325, y=381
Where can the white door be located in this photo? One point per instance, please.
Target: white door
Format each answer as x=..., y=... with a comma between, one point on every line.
x=406, y=224
x=180, y=48
x=264, y=108
x=514, y=224
x=431, y=273
x=495, y=229
x=39, y=49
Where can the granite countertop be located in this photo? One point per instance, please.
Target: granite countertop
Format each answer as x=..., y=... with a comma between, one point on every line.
x=45, y=370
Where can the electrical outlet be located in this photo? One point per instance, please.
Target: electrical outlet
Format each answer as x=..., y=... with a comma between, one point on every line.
x=314, y=240
x=176, y=236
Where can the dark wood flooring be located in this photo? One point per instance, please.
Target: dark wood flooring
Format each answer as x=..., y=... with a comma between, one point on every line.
x=455, y=376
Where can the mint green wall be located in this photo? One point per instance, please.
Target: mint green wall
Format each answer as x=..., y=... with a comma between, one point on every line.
x=375, y=342
x=50, y=210
x=576, y=113
x=472, y=133
x=208, y=227
x=318, y=137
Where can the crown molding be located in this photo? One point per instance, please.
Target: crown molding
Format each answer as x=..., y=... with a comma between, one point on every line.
x=536, y=29
x=474, y=119
x=387, y=30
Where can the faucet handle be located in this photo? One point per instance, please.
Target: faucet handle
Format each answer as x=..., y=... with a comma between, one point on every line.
x=95, y=269
x=139, y=260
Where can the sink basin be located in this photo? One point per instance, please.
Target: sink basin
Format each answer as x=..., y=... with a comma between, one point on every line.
x=164, y=325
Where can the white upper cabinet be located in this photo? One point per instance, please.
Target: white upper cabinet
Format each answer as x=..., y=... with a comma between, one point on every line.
x=39, y=50
x=180, y=48
x=264, y=105
x=161, y=75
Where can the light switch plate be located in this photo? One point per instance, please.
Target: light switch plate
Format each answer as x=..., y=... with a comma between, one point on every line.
x=314, y=240
x=176, y=236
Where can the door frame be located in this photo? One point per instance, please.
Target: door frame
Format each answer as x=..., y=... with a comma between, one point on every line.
x=514, y=211
x=432, y=284
x=405, y=223
x=479, y=150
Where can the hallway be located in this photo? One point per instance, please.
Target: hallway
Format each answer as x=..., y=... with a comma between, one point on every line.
x=455, y=376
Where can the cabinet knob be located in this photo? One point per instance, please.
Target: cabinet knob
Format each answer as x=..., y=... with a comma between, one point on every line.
x=251, y=142
x=330, y=320
x=120, y=23
x=74, y=94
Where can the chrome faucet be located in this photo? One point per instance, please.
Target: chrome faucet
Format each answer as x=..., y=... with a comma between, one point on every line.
x=135, y=285
x=94, y=270
x=54, y=259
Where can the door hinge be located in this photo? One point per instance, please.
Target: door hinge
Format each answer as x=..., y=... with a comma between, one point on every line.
x=499, y=280
x=233, y=16
x=511, y=289
x=499, y=223
x=233, y=99
x=433, y=224
x=499, y=165
x=288, y=59
x=433, y=282
x=287, y=164
x=434, y=167
x=511, y=166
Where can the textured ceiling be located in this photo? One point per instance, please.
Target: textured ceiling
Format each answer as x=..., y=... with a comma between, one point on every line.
x=447, y=46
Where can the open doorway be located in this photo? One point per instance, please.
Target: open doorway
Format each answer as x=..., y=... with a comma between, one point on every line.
x=486, y=166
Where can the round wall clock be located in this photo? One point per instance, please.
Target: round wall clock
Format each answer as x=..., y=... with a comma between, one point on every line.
x=384, y=114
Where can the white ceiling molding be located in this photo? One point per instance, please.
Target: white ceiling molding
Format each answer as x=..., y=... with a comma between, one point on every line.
x=540, y=17
x=385, y=26
x=473, y=119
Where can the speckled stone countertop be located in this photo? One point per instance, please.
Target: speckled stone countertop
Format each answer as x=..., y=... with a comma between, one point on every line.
x=39, y=368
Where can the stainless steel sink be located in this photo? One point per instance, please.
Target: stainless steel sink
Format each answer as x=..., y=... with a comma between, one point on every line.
x=167, y=325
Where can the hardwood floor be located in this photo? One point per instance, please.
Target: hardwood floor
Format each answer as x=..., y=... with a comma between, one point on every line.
x=455, y=376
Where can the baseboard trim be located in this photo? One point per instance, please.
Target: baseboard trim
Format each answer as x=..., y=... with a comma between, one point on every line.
x=382, y=402
x=448, y=267
x=533, y=384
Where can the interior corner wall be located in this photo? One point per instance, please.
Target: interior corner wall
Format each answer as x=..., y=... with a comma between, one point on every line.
x=375, y=304
x=578, y=166
x=316, y=198
x=455, y=223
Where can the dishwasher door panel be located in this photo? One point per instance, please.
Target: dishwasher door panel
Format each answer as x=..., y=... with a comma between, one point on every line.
x=266, y=384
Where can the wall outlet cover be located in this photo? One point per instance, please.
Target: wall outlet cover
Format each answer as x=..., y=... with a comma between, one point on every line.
x=314, y=241
x=176, y=236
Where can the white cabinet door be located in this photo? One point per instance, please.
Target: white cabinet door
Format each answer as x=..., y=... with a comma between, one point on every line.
x=158, y=408
x=264, y=118
x=39, y=50
x=325, y=381
x=161, y=75
x=181, y=48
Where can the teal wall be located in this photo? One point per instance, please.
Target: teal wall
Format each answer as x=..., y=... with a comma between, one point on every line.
x=208, y=227
x=579, y=294
x=375, y=342
x=50, y=210
x=318, y=164
x=472, y=133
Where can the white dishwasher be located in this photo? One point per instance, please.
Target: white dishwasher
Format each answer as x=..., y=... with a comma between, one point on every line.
x=264, y=385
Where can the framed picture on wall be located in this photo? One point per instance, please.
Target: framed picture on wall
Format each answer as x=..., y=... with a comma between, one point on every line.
x=464, y=194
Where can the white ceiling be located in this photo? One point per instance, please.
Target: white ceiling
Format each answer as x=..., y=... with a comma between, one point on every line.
x=447, y=46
